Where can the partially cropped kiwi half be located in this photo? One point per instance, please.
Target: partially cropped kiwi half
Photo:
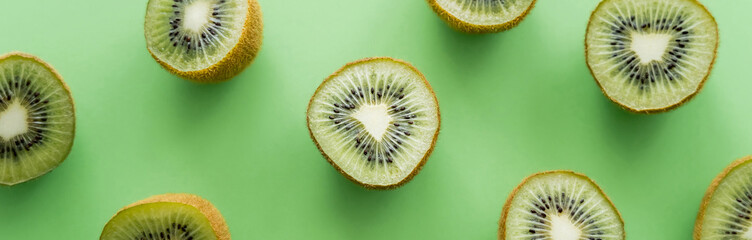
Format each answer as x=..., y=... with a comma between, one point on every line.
x=482, y=16
x=168, y=216
x=37, y=118
x=651, y=55
x=726, y=209
x=376, y=121
x=203, y=40
x=560, y=205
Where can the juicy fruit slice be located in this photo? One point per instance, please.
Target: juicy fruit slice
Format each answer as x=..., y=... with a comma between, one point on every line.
x=203, y=40
x=37, y=118
x=159, y=221
x=482, y=16
x=559, y=205
x=651, y=55
x=169, y=216
x=376, y=121
x=726, y=208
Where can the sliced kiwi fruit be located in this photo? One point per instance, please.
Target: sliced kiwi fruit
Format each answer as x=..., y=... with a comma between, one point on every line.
x=651, y=56
x=560, y=205
x=376, y=121
x=203, y=40
x=37, y=118
x=168, y=216
x=726, y=209
x=482, y=16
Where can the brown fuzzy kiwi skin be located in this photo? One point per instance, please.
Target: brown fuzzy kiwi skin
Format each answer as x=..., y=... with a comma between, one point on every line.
x=422, y=161
x=667, y=108
x=470, y=28
x=219, y=226
x=505, y=210
x=241, y=55
x=57, y=75
x=709, y=193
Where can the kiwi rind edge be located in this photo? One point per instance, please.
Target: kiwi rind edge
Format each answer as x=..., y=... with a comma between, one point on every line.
x=505, y=210
x=239, y=57
x=57, y=75
x=218, y=224
x=422, y=161
x=466, y=27
x=709, y=193
x=668, y=108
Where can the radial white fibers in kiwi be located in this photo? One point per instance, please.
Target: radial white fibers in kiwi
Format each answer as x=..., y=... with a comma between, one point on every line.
x=375, y=120
x=651, y=55
x=170, y=217
x=37, y=118
x=560, y=205
x=203, y=40
x=726, y=209
x=482, y=16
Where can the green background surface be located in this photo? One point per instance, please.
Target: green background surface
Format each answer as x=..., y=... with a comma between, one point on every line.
x=512, y=104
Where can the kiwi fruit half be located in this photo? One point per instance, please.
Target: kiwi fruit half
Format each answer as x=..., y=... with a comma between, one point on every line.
x=203, y=40
x=560, y=205
x=37, y=118
x=726, y=209
x=482, y=16
x=168, y=216
x=651, y=55
x=375, y=120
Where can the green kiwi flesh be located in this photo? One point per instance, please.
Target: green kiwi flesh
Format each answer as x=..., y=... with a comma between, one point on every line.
x=727, y=207
x=159, y=220
x=37, y=121
x=560, y=205
x=203, y=40
x=376, y=121
x=651, y=55
x=482, y=16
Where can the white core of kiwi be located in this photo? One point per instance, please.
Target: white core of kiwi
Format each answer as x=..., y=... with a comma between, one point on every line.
x=485, y=12
x=563, y=228
x=13, y=121
x=196, y=16
x=649, y=47
x=748, y=234
x=375, y=119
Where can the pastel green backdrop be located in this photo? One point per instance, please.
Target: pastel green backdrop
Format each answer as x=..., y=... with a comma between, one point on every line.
x=512, y=104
